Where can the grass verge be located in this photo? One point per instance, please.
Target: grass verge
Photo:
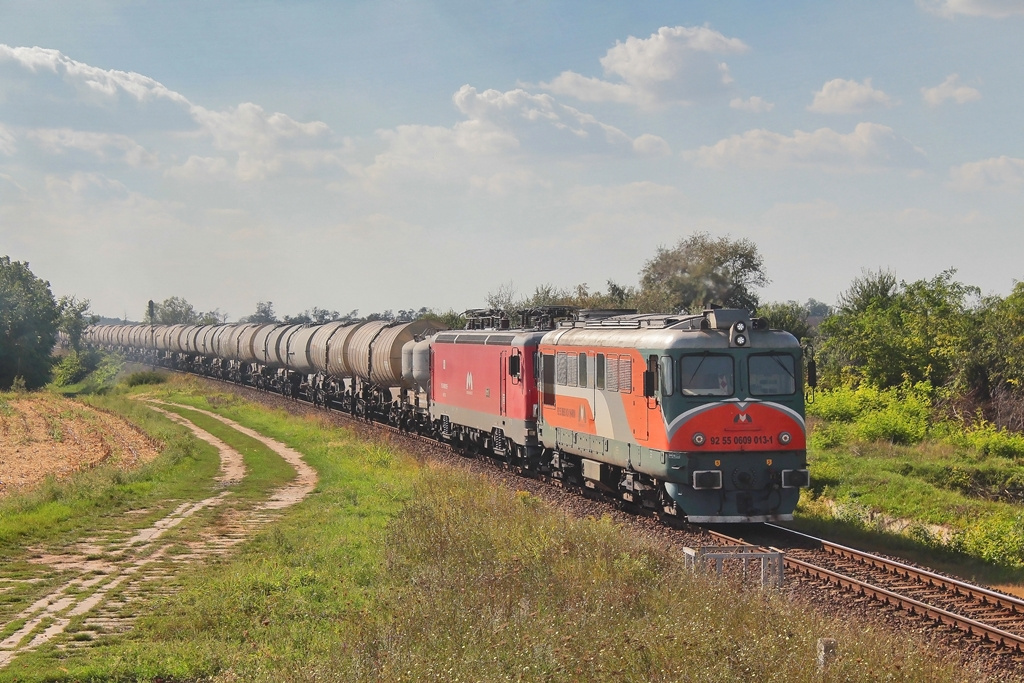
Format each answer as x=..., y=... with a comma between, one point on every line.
x=392, y=570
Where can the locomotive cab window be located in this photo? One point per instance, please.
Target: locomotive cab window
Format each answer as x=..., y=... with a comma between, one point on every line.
x=772, y=374
x=666, y=366
x=548, y=378
x=706, y=375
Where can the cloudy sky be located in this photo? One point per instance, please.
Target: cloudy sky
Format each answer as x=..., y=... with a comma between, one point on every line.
x=404, y=153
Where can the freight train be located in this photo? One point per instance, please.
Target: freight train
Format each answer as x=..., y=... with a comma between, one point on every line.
x=700, y=417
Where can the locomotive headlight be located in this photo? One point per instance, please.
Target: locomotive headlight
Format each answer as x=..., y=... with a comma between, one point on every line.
x=785, y=438
x=741, y=327
x=741, y=339
x=699, y=439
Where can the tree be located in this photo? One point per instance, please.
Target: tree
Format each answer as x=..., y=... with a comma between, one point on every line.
x=74, y=318
x=316, y=316
x=871, y=287
x=789, y=316
x=29, y=317
x=886, y=334
x=177, y=311
x=264, y=314
x=1001, y=353
x=702, y=270
x=817, y=309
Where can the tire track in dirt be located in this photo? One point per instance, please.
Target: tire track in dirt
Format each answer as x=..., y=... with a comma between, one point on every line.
x=109, y=575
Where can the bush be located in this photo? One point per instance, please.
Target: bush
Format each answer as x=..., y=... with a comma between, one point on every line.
x=988, y=439
x=145, y=377
x=829, y=435
x=73, y=367
x=899, y=415
x=904, y=424
x=999, y=540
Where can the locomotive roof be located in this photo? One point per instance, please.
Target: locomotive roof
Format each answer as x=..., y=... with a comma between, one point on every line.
x=709, y=330
x=648, y=338
x=489, y=337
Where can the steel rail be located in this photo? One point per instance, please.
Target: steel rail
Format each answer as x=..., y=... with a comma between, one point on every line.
x=971, y=626
x=926, y=577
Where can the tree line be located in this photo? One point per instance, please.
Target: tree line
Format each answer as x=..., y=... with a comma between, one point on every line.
x=965, y=348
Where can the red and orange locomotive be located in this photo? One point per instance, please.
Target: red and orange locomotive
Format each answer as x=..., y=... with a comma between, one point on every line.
x=700, y=416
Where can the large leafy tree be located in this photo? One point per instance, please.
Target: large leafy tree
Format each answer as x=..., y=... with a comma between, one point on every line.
x=1001, y=353
x=29, y=317
x=702, y=270
x=886, y=334
x=789, y=316
x=264, y=314
x=74, y=318
x=176, y=310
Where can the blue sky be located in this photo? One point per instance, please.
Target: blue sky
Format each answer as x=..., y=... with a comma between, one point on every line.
x=379, y=155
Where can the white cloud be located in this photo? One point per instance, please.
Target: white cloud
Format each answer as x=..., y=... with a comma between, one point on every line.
x=505, y=183
x=840, y=96
x=499, y=133
x=7, y=142
x=869, y=145
x=202, y=168
x=249, y=128
x=92, y=83
x=85, y=187
x=755, y=104
x=651, y=146
x=589, y=89
x=1002, y=173
x=950, y=89
x=533, y=118
x=105, y=146
x=109, y=103
x=995, y=9
x=674, y=65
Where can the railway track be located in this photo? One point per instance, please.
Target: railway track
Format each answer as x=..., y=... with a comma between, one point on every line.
x=985, y=614
x=993, y=622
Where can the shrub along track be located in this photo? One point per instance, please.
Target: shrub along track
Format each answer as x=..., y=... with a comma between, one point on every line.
x=999, y=664
x=103, y=579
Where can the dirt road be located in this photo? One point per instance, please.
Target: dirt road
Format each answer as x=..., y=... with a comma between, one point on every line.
x=104, y=578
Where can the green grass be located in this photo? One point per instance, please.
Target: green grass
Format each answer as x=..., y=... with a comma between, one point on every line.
x=391, y=570
x=265, y=470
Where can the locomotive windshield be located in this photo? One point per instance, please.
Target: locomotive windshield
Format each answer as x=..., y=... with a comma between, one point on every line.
x=706, y=375
x=772, y=374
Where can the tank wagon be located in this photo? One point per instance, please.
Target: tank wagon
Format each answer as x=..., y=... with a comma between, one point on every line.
x=696, y=416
